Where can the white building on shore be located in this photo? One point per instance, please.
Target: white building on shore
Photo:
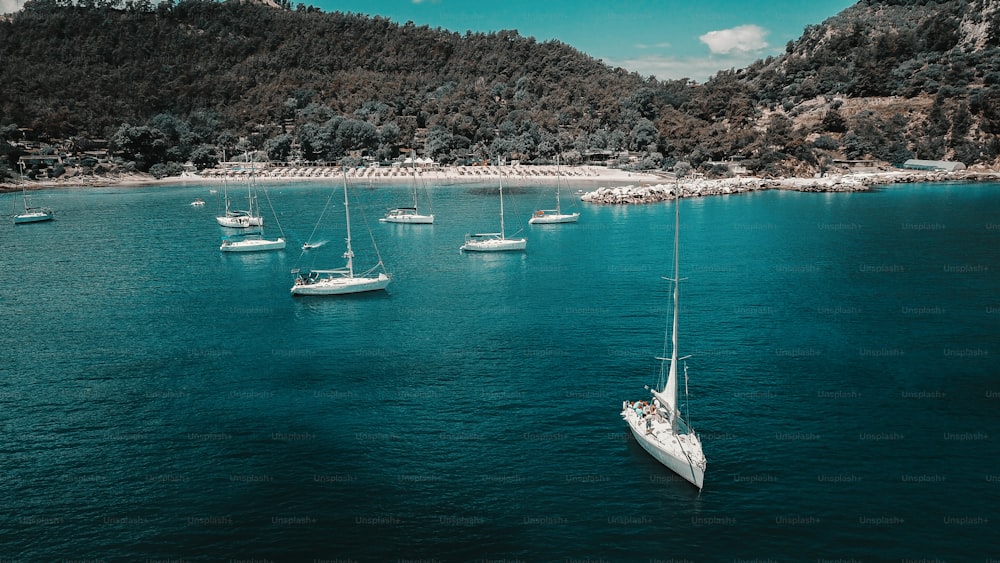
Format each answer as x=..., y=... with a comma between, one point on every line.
x=943, y=165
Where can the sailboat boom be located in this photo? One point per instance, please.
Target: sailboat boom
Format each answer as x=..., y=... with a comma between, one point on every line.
x=681, y=359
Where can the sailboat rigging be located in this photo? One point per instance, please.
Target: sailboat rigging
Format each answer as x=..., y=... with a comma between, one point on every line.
x=311, y=242
x=342, y=281
x=409, y=215
x=554, y=216
x=240, y=219
x=255, y=242
x=494, y=242
x=30, y=214
x=657, y=424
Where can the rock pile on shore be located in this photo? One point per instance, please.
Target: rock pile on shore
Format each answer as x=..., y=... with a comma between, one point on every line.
x=701, y=187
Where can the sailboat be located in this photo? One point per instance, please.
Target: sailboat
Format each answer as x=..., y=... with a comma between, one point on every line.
x=240, y=219
x=657, y=424
x=341, y=281
x=494, y=242
x=551, y=216
x=410, y=215
x=252, y=243
x=30, y=214
x=255, y=242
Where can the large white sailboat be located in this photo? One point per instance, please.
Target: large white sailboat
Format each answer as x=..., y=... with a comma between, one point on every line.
x=553, y=216
x=409, y=215
x=494, y=242
x=342, y=281
x=657, y=424
x=30, y=214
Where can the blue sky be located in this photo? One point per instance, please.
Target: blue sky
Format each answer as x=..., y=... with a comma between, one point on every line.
x=669, y=39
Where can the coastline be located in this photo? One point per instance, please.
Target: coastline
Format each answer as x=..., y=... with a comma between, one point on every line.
x=608, y=185
x=848, y=182
x=388, y=175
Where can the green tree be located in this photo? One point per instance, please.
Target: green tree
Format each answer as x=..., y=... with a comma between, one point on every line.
x=204, y=156
x=833, y=122
x=779, y=131
x=353, y=134
x=143, y=145
x=278, y=148
x=439, y=142
x=644, y=136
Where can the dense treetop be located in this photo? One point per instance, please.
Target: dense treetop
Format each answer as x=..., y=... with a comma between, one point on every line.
x=184, y=81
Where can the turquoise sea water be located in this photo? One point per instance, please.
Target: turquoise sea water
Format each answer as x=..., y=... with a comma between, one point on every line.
x=163, y=400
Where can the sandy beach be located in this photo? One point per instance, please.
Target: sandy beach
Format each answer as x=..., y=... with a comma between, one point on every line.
x=439, y=176
x=600, y=184
x=449, y=174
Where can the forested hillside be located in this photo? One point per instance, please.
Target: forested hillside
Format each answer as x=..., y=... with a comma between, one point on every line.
x=185, y=81
x=914, y=78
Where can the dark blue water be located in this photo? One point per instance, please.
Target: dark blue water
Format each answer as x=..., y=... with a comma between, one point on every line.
x=162, y=400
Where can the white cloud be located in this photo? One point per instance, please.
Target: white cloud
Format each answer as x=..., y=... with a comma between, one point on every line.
x=742, y=39
x=10, y=6
x=644, y=46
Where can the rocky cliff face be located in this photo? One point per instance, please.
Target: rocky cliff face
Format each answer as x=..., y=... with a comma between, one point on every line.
x=978, y=25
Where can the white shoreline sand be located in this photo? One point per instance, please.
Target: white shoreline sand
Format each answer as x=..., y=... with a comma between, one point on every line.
x=607, y=185
x=383, y=175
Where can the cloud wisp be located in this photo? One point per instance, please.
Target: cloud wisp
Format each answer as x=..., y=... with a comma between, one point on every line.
x=739, y=39
x=734, y=48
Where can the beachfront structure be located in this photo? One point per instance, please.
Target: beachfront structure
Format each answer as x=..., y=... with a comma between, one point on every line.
x=858, y=164
x=734, y=165
x=411, y=162
x=942, y=165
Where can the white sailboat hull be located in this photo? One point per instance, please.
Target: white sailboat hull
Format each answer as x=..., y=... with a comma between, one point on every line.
x=31, y=214
x=341, y=281
x=542, y=218
x=35, y=216
x=339, y=285
x=240, y=221
x=494, y=244
x=680, y=453
x=252, y=245
x=656, y=424
x=397, y=216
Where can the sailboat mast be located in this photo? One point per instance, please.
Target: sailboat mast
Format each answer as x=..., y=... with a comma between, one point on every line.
x=249, y=191
x=24, y=193
x=668, y=394
x=413, y=166
x=347, y=213
x=501, y=203
x=558, y=206
x=673, y=355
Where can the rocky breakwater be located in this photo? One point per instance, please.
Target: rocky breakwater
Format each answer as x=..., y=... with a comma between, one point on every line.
x=700, y=187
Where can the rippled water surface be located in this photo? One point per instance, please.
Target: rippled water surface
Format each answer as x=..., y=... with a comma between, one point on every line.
x=163, y=400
